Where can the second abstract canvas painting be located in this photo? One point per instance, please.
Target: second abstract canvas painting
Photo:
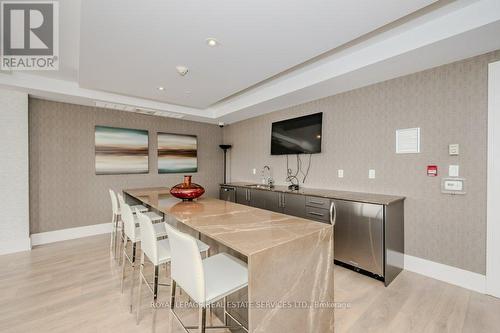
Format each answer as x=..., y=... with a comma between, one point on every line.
x=177, y=153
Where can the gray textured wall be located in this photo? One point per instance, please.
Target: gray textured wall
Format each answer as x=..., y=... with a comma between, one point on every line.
x=448, y=103
x=64, y=190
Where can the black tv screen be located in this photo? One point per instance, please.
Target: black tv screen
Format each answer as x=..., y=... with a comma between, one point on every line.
x=300, y=135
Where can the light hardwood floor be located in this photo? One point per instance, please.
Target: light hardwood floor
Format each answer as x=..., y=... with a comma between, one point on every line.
x=73, y=286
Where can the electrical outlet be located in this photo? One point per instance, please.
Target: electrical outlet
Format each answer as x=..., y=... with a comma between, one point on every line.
x=254, y=171
x=340, y=173
x=371, y=173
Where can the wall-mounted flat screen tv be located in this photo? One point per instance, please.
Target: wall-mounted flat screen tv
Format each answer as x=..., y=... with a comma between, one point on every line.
x=300, y=135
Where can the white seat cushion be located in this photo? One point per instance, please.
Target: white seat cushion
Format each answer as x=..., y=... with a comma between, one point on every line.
x=164, y=254
x=202, y=246
x=141, y=208
x=153, y=216
x=224, y=275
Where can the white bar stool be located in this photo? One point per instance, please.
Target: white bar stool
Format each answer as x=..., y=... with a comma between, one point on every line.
x=158, y=253
x=152, y=215
x=132, y=233
x=205, y=281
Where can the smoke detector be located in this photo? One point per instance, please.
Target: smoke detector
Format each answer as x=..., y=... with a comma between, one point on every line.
x=182, y=70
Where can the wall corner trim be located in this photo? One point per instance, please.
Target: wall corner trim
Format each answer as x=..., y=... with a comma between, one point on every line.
x=449, y=274
x=15, y=245
x=70, y=233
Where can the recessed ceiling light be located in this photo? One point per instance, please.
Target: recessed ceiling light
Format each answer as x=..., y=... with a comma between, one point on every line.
x=212, y=42
x=161, y=88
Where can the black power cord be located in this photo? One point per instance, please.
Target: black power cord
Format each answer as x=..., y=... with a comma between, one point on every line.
x=290, y=176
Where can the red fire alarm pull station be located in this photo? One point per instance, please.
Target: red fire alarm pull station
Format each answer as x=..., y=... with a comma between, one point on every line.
x=432, y=170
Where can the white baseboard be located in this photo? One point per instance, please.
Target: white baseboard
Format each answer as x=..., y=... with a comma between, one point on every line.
x=456, y=276
x=14, y=245
x=70, y=233
x=445, y=273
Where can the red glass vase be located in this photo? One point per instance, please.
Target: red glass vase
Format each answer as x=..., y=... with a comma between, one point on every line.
x=187, y=191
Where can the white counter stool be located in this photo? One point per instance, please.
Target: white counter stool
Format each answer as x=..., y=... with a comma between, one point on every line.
x=152, y=215
x=115, y=221
x=205, y=281
x=132, y=233
x=158, y=253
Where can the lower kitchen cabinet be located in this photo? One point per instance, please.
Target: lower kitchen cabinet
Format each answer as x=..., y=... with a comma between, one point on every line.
x=242, y=196
x=368, y=237
x=294, y=204
x=268, y=200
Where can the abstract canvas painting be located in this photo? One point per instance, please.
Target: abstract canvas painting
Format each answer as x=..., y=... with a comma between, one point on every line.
x=121, y=150
x=177, y=153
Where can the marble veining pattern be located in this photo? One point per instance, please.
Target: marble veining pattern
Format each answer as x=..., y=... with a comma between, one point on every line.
x=290, y=259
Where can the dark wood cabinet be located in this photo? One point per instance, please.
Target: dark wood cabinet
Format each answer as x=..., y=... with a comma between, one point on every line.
x=294, y=204
x=242, y=195
x=264, y=199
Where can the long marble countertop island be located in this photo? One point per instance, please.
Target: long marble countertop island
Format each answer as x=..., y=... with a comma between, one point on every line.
x=290, y=259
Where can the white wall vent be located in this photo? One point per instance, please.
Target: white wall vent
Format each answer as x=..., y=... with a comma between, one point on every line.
x=129, y=108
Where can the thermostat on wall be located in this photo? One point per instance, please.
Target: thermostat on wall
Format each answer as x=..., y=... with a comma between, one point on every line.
x=453, y=185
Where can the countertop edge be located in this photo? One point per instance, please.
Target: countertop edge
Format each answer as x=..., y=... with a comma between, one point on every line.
x=391, y=199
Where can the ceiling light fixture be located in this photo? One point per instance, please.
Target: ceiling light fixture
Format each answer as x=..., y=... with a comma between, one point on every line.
x=161, y=88
x=212, y=42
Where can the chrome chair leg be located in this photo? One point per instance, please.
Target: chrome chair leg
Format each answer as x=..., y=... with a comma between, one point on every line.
x=132, y=277
x=225, y=311
x=138, y=310
x=202, y=319
x=125, y=240
x=173, y=286
x=155, y=293
x=111, y=241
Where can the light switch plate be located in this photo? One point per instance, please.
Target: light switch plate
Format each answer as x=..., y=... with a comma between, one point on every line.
x=340, y=173
x=371, y=173
x=454, y=149
x=453, y=171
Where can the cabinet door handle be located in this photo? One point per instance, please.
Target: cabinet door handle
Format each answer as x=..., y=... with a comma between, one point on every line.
x=279, y=200
x=316, y=214
x=316, y=202
x=284, y=202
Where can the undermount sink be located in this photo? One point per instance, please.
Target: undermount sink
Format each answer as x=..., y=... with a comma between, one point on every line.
x=259, y=186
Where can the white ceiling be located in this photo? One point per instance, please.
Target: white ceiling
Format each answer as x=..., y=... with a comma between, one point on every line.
x=119, y=51
x=131, y=47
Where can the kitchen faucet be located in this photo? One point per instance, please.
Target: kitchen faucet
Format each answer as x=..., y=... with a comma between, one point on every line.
x=269, y=181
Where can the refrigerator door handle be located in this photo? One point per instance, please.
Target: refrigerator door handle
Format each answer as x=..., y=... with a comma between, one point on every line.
x=333, y=213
